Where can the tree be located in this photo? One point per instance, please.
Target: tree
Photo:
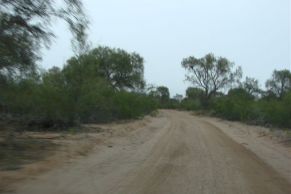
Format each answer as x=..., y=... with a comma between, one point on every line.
x=122, y=70
x=53, y=76
x=194, y=93
x=25, y=26
x=210, y=73
x=178, y=97
x=280, y=83
x=251, y=86
x=162, y=93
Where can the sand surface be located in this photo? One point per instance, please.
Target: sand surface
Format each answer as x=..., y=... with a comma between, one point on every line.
x=174, y=152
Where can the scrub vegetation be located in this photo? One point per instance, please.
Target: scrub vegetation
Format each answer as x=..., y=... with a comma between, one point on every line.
x=95, y=85
x=219, y=90
x=102, y=85
x=105, y=84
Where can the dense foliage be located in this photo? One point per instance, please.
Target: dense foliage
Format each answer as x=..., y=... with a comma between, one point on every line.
x=25, y=26
x=102, y=85
x=210, y=74
x=247, y=102
x=98, y=85
x=105, y=84
x=276, y=112
x=162, y=96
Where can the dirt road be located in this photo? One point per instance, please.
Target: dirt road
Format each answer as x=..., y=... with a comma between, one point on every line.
x=174, y=153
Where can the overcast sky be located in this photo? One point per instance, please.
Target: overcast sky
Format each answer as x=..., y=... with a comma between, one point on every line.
x=254, y=34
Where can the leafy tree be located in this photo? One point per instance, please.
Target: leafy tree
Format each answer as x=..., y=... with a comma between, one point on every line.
x=210, y=73
x=178, y=97
x=25, y=26
x=194, y=93
x=162, y=93
x=53, y=76
x=79, y=93
x=251, y=86
x=280, y=83
x=194, y=99
x=122, y=70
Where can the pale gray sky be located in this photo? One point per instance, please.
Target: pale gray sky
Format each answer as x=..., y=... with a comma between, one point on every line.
x=254, y=34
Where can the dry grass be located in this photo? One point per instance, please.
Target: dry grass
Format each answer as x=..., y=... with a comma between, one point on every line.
x=16, y=152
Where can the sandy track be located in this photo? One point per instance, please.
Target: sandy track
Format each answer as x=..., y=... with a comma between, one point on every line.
x=174, y=153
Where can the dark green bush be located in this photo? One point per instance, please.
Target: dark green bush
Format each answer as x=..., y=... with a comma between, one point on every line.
x=132, y=105
x=236, y=105
x=277, y=112
x=79, y=93
x=191, y=104
x=240, y=107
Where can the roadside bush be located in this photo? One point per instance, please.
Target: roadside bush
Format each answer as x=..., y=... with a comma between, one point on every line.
x=191, y=104
x=241, y=107
x=277, y=112
x=236, y=105
x=79, y=93
x=132, y=105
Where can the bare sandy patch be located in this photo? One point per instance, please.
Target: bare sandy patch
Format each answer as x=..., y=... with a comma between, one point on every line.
x=273, y=146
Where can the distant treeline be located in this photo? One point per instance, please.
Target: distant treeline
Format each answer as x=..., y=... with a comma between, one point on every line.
x=243, y=101
x=105, y=84
x=238, y=105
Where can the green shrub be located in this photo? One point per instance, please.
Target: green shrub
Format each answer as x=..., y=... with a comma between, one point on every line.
x=191, y=104
x=132, y=105
x=236, y=105
x=81, y=92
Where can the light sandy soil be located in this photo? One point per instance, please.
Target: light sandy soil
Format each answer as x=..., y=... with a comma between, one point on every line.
x=273, y=147
x=175, y=152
